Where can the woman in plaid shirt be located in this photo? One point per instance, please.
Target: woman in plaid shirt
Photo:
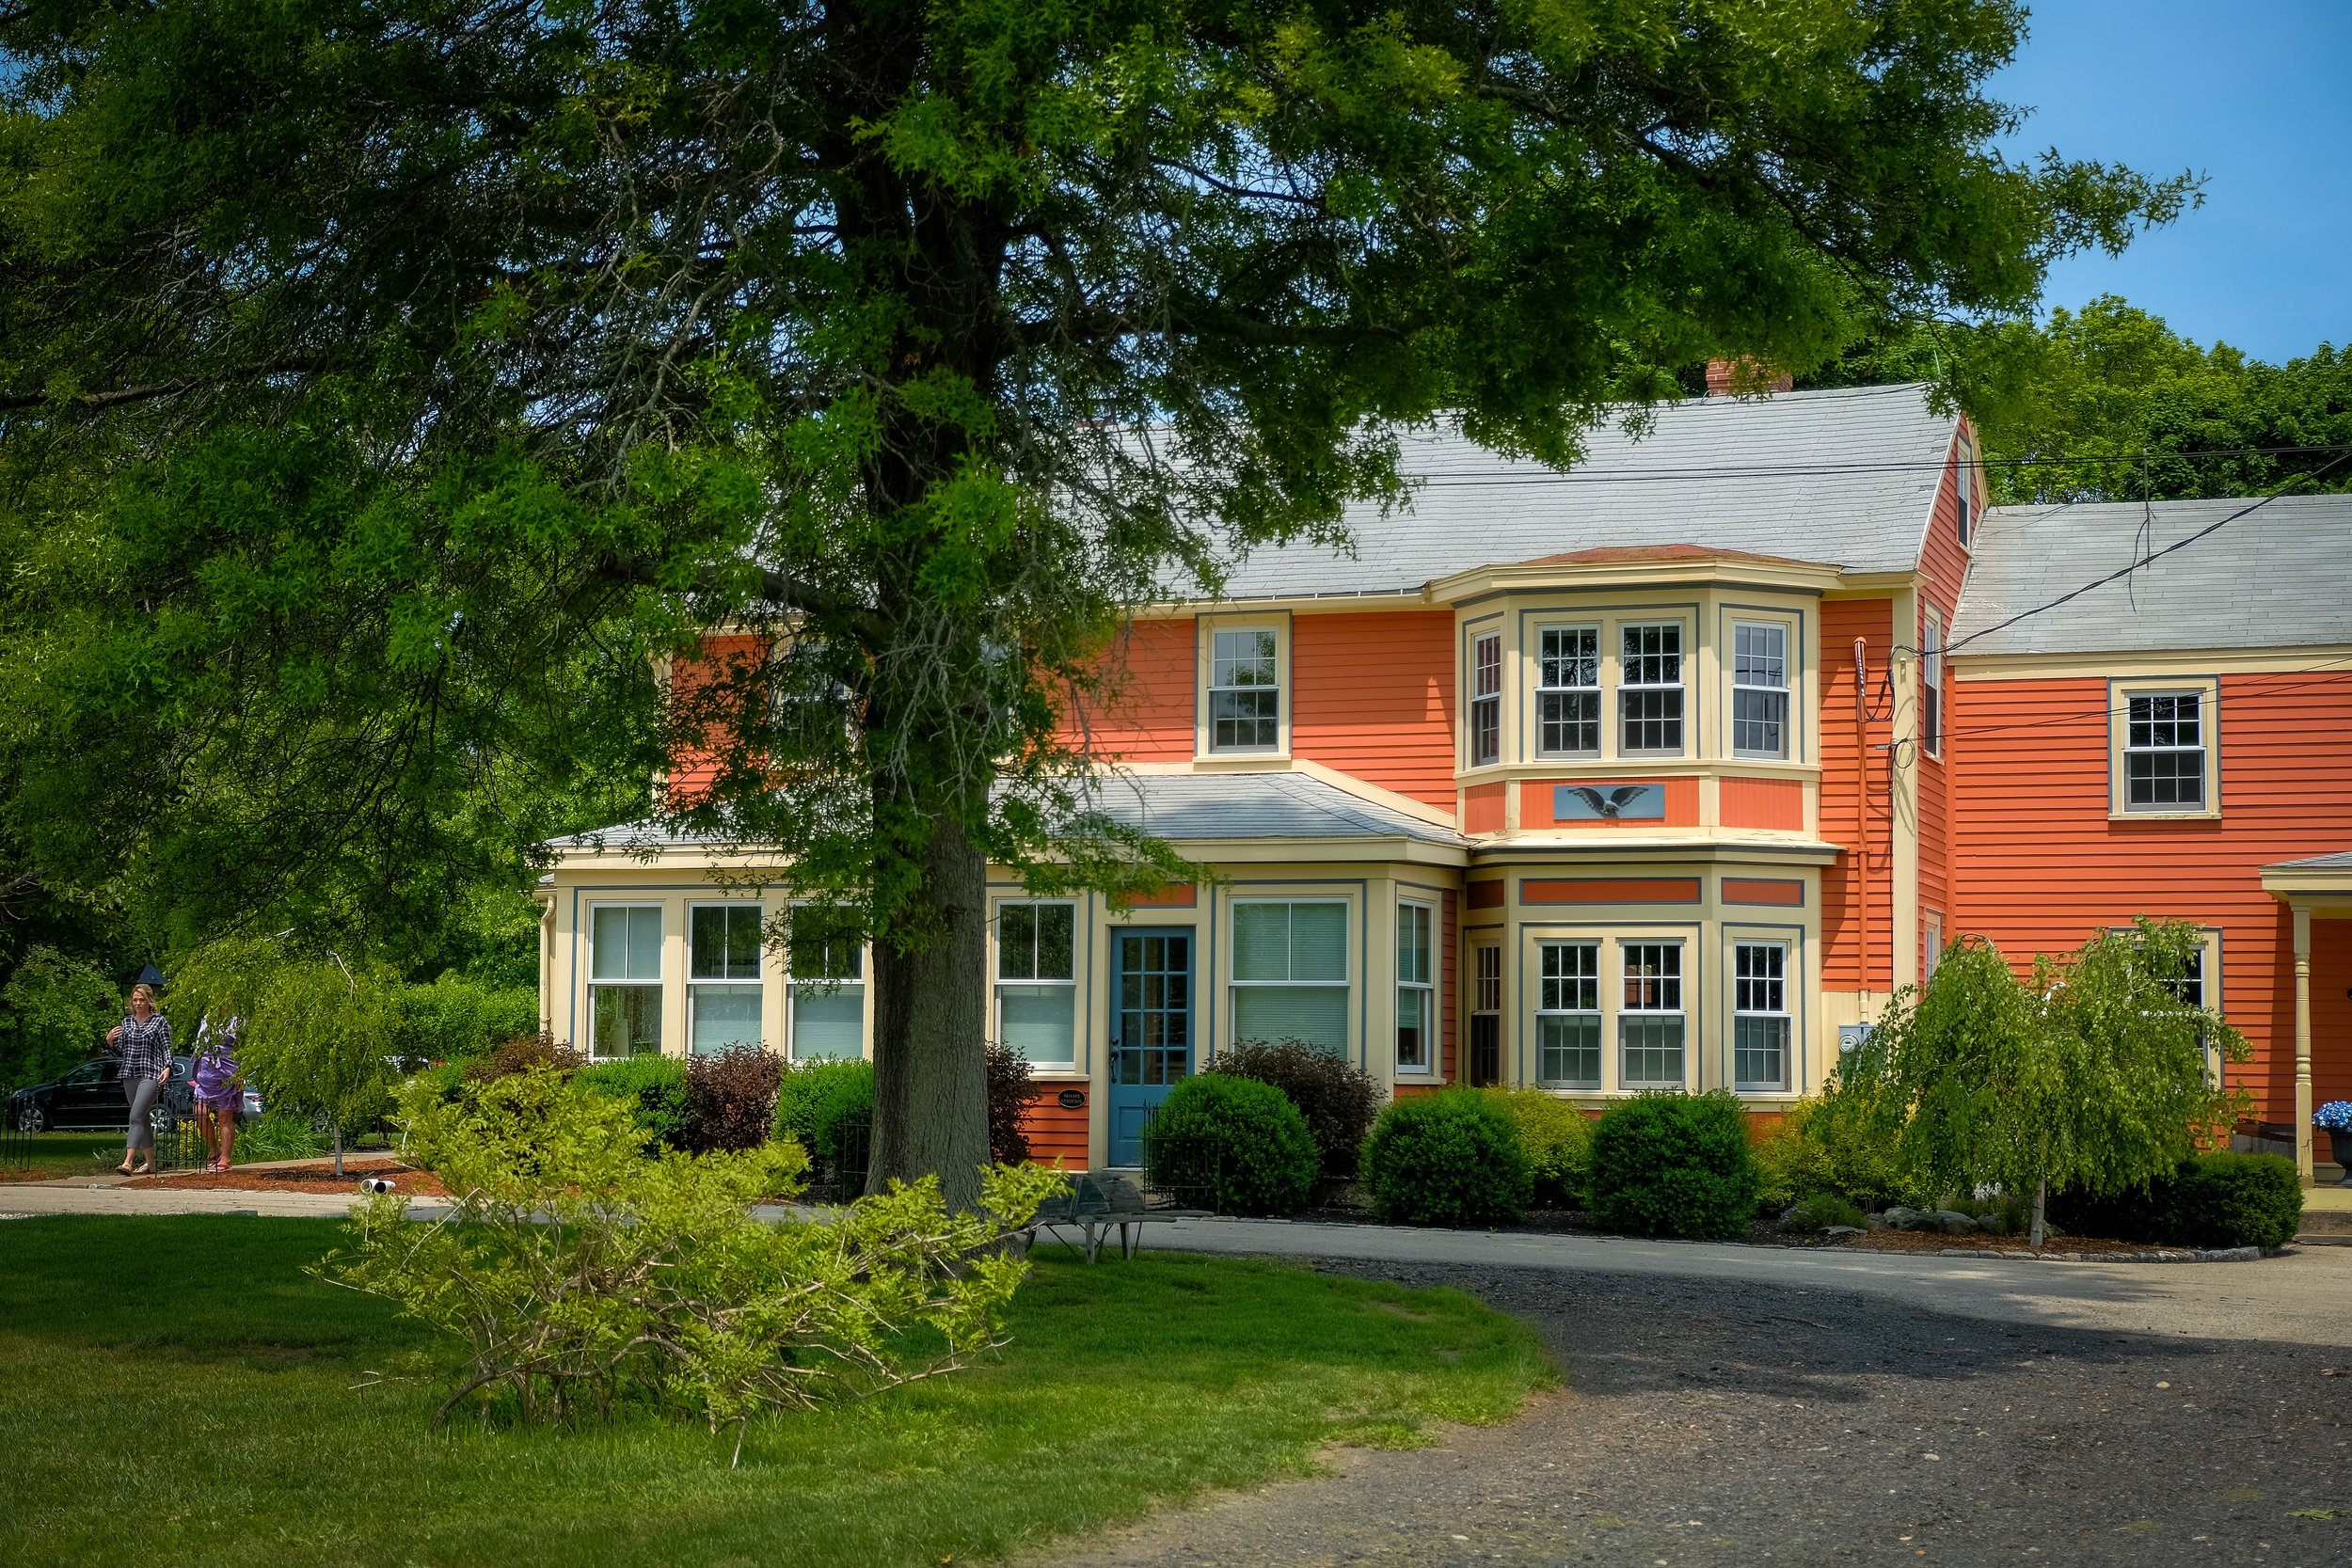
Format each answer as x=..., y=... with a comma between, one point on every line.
x=143, y=1040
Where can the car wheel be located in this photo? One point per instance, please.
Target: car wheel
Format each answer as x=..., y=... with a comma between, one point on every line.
x=31, y=1117
x=162, y=1120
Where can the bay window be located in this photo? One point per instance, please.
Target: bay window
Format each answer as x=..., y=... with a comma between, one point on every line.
x=1568, y=1014
x=1650, y=1019
x=1649, y=691
x=1567, y=696
x=1759, y=1016
x=1485, y=746
x=1760, y=689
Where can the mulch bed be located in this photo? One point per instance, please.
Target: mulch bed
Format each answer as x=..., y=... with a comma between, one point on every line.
x=1929, y=1241
x=317, y=1178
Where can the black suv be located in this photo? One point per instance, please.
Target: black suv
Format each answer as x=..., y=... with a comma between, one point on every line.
x=91, y=1096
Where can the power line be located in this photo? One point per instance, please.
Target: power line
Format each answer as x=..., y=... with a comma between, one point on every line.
x=2142, y=561
x=2110, y=711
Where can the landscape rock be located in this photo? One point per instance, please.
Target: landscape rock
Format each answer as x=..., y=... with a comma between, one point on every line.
x=1839, y=1232
x=1950, y=1221
x=1901, y=1218
x=1877, y=1221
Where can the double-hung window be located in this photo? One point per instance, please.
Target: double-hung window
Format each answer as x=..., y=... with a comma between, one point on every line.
x=1568, y=701
x=1759, y=1016
x=1760, y=689
x=828, y=965
x=1245, y=691
x=1416, y=990
x=1290, y=973
x=1649, y=691
x=1568, y=1014
x=2164, y=753
x=1931, y=688
x=722, y=991
x=1650, y=1020
x=1485, y=746
x=1485, y=1033
x=625, y=980
x=1037, y=981
x=1964, y=487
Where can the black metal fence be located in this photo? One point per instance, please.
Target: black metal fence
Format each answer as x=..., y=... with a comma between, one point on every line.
x=848, y=1147
x=16, y=1148
x=1181, y=1170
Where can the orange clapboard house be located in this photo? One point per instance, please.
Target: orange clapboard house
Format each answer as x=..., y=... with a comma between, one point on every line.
x=1651, y=775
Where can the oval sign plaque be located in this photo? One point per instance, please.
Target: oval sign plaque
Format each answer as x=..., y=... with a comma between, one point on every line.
x=1073, y=1098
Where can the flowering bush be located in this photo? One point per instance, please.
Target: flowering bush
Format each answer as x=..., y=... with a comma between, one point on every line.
x=2336, y=1115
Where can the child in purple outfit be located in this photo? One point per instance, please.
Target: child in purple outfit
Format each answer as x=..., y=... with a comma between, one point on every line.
x=214, y=1081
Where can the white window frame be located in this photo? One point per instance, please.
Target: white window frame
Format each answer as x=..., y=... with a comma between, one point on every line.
x=1410, y=912
x=1234, y=984
x=696, y=985
x=596, y=983
x=1485, y=704
x=1629, y=1011
x=796, y=985
x=1771, y=989
x=1785, y=691
x=1548, y=664
x=1931, y=714
x=1000, y=979
x=2122, y=690
x=2158, y=719
x=1629, y=689
x=1931, y=945
x=1278, y=686
x=1964, y=489
x=1561, y=995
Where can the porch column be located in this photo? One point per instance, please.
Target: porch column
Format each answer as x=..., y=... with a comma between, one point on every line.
x=2303, y=1042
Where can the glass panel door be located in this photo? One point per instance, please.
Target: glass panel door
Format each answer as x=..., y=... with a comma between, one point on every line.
x=1150, y=1047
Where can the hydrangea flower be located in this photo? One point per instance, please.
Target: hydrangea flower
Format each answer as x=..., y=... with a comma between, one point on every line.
x=2336, y=1115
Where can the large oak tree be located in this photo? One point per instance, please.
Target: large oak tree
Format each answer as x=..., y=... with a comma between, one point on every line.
x=384, y=380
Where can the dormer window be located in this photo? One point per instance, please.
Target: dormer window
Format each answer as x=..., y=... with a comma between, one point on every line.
x=1567, y=703
x=1245, y=691
x=1649, y=691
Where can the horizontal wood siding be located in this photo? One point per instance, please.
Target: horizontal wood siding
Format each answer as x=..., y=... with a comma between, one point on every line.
x=1056, y=1131
x=2039, y=865
x=1482, y=808
x=1944, y=566
x=1776, y=804
x=1373, y=696
x=1146, y=714
x=693, y=765
x=1536, y=803
x=1842, y=776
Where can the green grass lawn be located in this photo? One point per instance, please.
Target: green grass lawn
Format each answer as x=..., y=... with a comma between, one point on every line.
x=179, y=1391
x=68, y=1154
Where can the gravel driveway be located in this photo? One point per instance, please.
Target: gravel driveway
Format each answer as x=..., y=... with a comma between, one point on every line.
x=1724, y=1421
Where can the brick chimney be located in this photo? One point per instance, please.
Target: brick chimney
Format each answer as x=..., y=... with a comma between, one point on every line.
x=1720, y=373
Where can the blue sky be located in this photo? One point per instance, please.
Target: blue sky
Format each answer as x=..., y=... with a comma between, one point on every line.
x=2257, y=94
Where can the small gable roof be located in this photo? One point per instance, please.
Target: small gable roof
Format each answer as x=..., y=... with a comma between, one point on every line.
x=2279, y=577
x=1845, y=478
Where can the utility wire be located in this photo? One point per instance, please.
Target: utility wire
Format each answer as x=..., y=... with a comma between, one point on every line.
x=2140, y=561
x=2110, y=712
x=1465, y=477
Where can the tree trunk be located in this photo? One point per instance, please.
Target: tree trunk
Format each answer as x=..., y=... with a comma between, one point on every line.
x=339, y=1149
x=2040, y=1202
x=930, y=1025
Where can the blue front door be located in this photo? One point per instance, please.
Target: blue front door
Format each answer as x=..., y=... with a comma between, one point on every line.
x=1150, y=1029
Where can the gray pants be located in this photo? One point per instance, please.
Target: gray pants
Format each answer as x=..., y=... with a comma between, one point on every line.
x=141, y=1092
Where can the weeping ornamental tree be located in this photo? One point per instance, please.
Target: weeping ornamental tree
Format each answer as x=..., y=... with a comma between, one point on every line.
x=2095, y=1073
x=407, y=373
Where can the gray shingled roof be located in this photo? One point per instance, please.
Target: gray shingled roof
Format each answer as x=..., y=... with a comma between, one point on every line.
x=1255, y=805
x=1171, y=806
x=2341, y=860
x=2279, y=577
x=1842, y=477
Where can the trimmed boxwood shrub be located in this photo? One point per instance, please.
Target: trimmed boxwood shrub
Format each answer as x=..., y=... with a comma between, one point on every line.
x=2212, y=1200
x=1234, y=1145
x=656, y=1084
x=816, y=1100
x=1673, y=1165
x=1558, y=1140
x=1452, y=1158
x=1338, y=1098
